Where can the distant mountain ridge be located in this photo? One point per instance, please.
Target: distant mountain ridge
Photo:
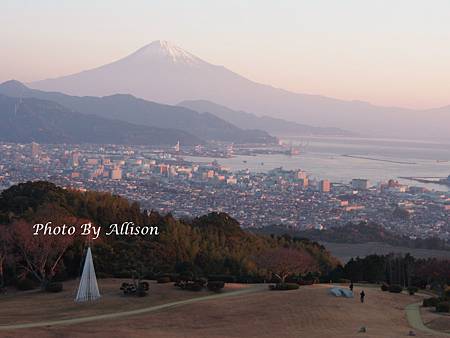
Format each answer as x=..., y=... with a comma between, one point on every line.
x=138, y=111
x=25, y=120
x=166, y=73
x=272, y=125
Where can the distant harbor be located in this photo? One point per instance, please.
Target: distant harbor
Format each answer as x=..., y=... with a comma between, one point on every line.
x=378, y=159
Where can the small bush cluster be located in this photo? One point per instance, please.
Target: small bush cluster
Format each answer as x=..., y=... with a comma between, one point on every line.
x=431, y=302
x=412, y=290
x=384, y=287
x=191, y=285
x=215, y=286
x=186, y=281
x=284, y=287
x=395, y=288
x=443, y=306
x=140, y=290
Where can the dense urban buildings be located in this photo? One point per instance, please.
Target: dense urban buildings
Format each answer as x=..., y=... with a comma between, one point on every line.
x=161, y=179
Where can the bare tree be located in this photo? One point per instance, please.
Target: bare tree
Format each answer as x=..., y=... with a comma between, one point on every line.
x=283, y=262
x=5, y=250
x=40, y=255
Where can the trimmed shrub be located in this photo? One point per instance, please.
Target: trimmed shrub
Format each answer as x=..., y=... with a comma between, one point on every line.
x=54, y=287
x=26, y=284
x=284, y=287
x=395, y=288
x=186, y=276
x=142, y=289
x=384, y=287
x=412, y=290
x=192, y=286
x=163, y=280
x=430, y=302
x=215, y=286
x=141, y=292
x=201, y=281
x=443, y=307
x=189, y=285
x=128, y=288
x=144, y=286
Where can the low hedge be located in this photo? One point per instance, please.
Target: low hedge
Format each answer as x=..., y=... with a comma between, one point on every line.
x=215, y=286
x=431, y=302
x=284, y=287
x=412, y=290
x=194, y=286
x=443, y=307
x=201, y=281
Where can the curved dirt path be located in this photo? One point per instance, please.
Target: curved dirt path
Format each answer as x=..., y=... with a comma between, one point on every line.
x=415, y=320
x=130, y=312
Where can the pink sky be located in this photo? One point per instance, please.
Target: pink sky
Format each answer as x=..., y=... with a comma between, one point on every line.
x=382, y=52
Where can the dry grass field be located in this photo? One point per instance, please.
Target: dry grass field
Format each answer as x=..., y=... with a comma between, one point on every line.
x=33, y=306
x=308, y=312
x=440, y=322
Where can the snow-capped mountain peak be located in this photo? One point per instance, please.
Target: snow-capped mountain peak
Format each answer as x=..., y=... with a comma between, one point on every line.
x=166, y=50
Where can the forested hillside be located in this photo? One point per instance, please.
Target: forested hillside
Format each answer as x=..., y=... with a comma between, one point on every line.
x=211, y=244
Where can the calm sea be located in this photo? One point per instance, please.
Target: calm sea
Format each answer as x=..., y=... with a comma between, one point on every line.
x=323, y=158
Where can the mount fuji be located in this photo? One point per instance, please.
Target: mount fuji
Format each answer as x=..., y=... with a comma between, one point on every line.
x=163, y=72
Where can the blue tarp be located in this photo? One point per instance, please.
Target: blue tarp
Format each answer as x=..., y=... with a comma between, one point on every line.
x=340, y=292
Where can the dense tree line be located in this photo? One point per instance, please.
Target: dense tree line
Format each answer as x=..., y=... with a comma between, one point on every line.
x=207, y=245
x=363, y=232
x=403, y=270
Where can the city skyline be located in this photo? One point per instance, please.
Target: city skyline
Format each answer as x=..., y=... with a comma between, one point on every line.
x=396, y=56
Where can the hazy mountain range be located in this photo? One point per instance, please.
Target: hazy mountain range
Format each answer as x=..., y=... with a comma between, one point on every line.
x=24, y=120
x=201, y=126
x=165, y=73
x=272, y=125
